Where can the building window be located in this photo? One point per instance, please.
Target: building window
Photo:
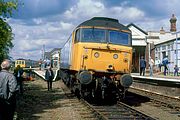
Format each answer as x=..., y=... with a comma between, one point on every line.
x=169, y=47
x=169, y=54
x=163, y=47
x=158, y=49
x=159, y=55
x=172, y=47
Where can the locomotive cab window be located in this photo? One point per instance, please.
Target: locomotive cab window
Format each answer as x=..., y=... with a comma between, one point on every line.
x=93, y=35
x=77, y=36
x=117, y=37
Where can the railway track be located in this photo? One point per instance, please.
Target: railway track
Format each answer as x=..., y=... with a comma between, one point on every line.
x=121, y=111
x=105, y=112
x=168, y=104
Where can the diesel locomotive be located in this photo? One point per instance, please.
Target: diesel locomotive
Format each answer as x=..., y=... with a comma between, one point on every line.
x=26, y=63
x=95, y=62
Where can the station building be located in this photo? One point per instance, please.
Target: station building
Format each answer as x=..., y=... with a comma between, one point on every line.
x=53, y=56
x=156, y=45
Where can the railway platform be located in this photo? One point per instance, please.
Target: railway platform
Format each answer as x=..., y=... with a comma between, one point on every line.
x=158, y=83
x=41, y=73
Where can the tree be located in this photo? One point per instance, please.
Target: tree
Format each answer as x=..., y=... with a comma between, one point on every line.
x=6, y=35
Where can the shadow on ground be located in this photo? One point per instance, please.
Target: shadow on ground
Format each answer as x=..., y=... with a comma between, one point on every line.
x=36, y=100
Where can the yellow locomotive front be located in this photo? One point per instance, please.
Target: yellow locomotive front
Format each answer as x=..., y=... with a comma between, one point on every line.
x=21, y=63
x=100, y=58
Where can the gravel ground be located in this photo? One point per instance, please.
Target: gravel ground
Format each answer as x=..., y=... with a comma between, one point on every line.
x=157, y=113
x=39, y=104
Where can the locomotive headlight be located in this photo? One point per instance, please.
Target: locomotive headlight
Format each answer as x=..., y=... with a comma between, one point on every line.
x=115, y=56
x=110, y=67
x=96, y=54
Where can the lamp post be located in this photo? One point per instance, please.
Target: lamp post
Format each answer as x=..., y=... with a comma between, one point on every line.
x=149, y=57
x=176, y=51
x=59, y=59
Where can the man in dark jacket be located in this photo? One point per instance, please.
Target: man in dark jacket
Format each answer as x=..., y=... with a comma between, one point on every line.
x=8, y=90
x=49, y=75
x=165, y=62
x=142, y=66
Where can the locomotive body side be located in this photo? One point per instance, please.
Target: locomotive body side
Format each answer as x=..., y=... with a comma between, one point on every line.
x=65, y=56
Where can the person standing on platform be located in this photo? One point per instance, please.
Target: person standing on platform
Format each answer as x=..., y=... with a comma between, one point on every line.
x=8, y=91
x=176, y=69
x=142, y=66
x=151, y=64
x=18, y=72
x=158, y=64
x=49, y=75
x=165, y=63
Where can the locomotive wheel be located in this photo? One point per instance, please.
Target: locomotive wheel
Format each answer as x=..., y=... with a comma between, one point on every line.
x=77, y=93
x=98, y=91
x=121, y=94
x=67, y=82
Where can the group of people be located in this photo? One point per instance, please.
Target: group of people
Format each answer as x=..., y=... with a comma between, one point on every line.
x=143, y=66
x=164, y=63
x=12, y=84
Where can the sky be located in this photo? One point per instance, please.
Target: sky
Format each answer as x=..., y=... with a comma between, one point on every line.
x=50, y=22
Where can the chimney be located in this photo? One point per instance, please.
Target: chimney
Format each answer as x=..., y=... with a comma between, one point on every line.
x=162, y=31
x=173, y=23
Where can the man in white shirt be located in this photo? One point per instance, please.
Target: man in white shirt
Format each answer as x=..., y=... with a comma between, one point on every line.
x=151, y=63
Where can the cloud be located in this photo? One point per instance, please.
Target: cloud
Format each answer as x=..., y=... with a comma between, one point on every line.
x=126, y=14
x=50, y=23
x=91, y=8
x=52, y=30
x=83, y=9
x=30, y=39
x=37, y=21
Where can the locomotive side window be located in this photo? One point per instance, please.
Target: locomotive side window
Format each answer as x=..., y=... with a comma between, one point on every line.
x=93, y=35
x=117, y=37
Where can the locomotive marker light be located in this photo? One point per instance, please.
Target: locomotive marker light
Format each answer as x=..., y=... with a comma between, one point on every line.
x=115, y=56
x=96, y=54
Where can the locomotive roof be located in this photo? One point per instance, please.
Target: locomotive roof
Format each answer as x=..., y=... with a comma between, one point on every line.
x=104, y=22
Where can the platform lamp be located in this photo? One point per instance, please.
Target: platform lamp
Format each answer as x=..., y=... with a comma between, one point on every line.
x=59, y=53
x=176, y=46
